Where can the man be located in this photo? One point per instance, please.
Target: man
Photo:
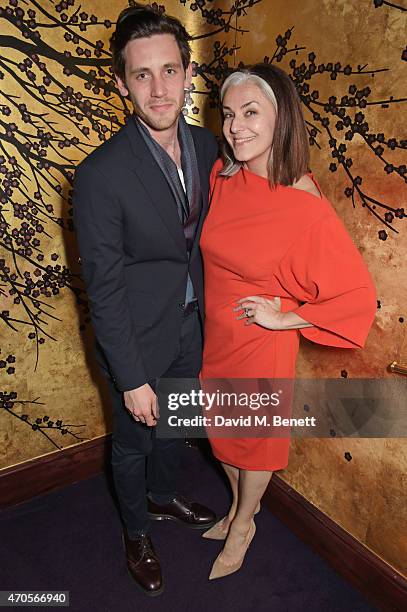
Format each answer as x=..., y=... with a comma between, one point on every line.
x=140, y=200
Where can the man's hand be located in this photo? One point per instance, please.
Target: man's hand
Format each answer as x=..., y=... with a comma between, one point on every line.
x=142, y=404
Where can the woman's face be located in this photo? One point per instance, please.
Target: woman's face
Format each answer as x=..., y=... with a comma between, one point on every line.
x=249, y=119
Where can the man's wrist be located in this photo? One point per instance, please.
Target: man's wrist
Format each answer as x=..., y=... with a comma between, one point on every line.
x=136, y=388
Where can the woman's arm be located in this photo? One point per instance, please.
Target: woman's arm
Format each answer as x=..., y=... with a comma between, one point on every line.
x=267, y=313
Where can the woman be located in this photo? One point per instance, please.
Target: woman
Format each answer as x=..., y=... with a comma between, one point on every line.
x=278, y=263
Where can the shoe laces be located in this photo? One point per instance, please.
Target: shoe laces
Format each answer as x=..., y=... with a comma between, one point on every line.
x=185, y=502
x=146, y=546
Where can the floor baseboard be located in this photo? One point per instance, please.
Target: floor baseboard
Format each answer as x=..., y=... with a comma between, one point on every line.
x=378, y=581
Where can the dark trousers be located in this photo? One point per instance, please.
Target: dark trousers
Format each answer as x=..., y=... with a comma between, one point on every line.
x=141, y=461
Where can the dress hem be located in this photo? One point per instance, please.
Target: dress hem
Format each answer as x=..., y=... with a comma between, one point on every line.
x=249, y=467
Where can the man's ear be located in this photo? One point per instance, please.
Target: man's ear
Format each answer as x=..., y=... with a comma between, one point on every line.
x=188, y=77
x=122, y=86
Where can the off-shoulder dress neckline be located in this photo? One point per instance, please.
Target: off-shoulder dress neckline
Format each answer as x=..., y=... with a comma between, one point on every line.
x=245, y=171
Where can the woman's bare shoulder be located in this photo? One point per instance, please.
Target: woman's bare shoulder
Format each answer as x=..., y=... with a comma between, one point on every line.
x=305, y=183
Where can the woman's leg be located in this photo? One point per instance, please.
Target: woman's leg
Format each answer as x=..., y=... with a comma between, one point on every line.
x=232, y=473
x=220, y=529
x=251, y=486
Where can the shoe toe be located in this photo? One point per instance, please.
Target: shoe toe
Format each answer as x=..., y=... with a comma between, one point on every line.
x=203, y=515
x=148, y=577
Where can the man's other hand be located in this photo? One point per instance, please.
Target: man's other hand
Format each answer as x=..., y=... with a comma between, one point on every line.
x=142, y=404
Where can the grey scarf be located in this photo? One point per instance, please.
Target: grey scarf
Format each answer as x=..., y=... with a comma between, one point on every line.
x=189, y=203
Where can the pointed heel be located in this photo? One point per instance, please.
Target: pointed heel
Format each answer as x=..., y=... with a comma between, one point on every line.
x=218, y=531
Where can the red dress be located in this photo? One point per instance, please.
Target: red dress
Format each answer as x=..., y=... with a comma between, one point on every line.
x=284, y=242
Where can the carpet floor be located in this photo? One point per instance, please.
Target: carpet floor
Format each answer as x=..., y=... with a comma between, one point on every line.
x=71, y=540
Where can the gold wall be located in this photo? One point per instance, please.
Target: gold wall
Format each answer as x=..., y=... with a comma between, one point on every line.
x=58, y=102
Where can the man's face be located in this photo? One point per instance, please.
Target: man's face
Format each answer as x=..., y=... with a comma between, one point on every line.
x=155, y=80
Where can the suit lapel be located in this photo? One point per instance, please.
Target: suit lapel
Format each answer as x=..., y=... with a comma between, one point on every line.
x=155, y=185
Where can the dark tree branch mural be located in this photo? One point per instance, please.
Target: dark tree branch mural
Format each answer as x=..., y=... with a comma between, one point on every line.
x=379, y=3
x=43, y=425
x=58, y=98
x=342, y=125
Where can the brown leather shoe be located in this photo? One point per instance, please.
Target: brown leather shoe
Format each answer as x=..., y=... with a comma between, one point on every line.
x=190, y=514
x=143, y=564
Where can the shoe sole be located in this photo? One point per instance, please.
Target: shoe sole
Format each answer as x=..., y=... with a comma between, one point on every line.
x=167, y=517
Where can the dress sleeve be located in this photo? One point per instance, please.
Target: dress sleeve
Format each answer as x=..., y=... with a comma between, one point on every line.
x=326, y=272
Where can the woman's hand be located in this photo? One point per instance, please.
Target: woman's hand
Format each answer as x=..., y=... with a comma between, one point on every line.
x=267, y=313
x=263, y=311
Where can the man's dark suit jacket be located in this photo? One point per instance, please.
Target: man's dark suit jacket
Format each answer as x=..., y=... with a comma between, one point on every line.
x=133, y=253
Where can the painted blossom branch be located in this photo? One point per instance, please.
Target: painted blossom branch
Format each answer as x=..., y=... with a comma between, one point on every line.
x=43, y=425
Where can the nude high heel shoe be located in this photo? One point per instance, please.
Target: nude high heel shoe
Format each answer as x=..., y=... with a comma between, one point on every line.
x=220, y=569
x=218, y=531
